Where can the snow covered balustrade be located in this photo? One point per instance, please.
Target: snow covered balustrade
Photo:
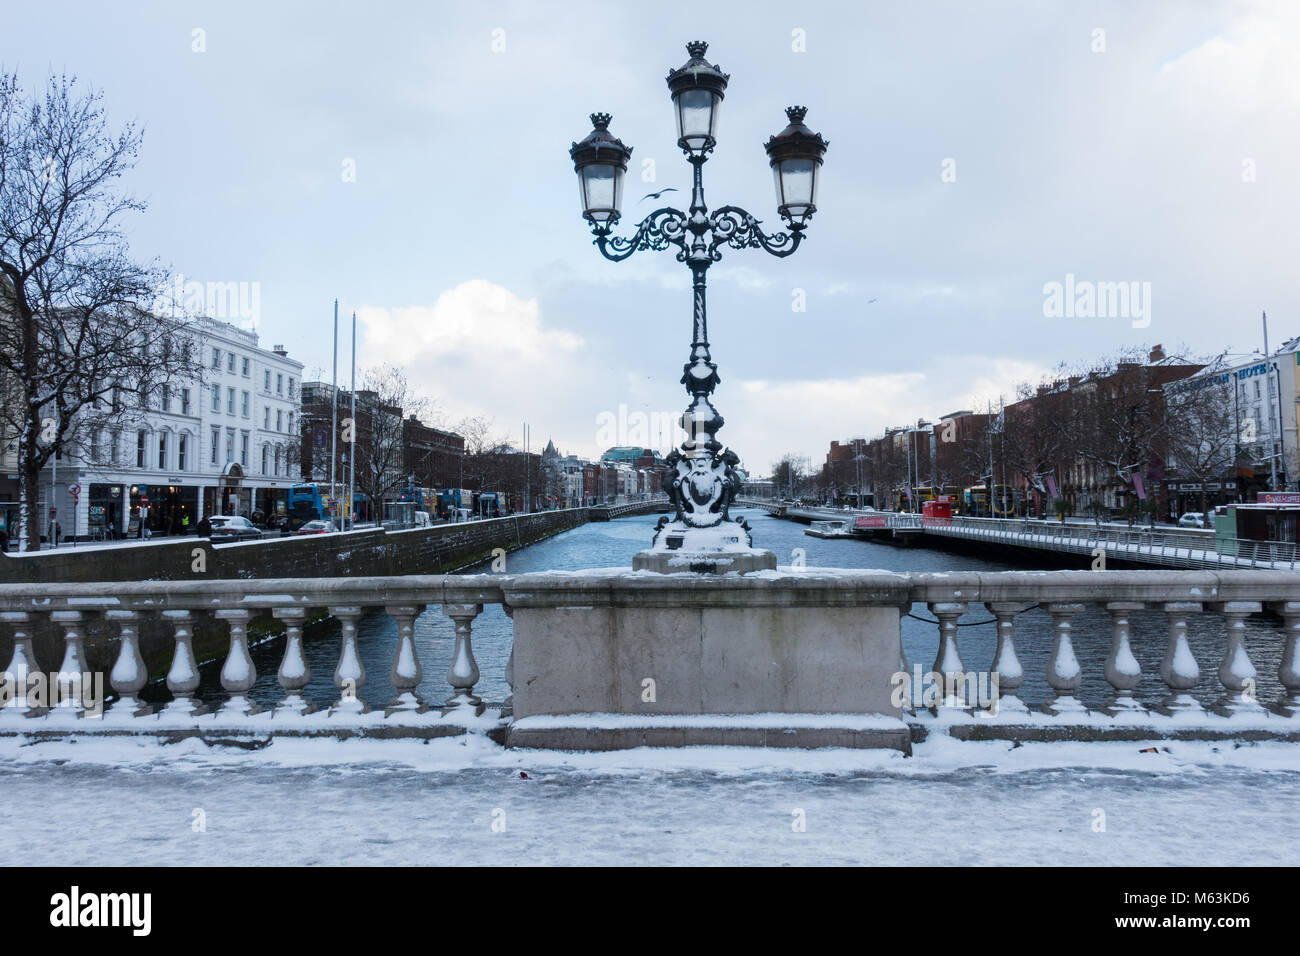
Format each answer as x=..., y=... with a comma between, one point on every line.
x=1240, y=711
x=66, y=701
x=611, y=658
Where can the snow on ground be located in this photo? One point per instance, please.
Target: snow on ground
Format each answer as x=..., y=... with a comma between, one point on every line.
x=134, y=802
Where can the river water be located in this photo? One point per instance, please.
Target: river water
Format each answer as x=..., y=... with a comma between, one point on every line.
x=612, y=544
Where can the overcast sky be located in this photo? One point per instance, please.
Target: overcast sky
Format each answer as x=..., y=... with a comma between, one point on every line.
x=1159, y=150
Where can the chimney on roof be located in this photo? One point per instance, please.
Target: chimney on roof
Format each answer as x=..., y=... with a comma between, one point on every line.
x=279, y=350
x=1157, y=354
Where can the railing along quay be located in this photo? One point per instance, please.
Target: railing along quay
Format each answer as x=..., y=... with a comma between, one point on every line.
x=1185, y=548
x=1230, y=596
x=1175, y=548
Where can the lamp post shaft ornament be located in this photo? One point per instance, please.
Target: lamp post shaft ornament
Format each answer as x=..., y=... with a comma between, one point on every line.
x=704, y=473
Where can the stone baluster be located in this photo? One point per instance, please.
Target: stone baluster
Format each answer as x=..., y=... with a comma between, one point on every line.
x=947, y=662
x=1122, y=669
x=1237, y=673
x=462, y=675
x=905, y=668
x=183, y=676
x=1288, y=674
x=1179, y=669
x=294, y=673
x=67, y=692
x=1063, y=671
x=238, y=673
x=508, y=705
x=350, y=673
x=406, y=673
x=22, y=667
x=129, y=674
x=1006, y=664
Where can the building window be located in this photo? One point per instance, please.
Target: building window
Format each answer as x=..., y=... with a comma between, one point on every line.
x=216, y=398
x=216, y=358
x=185, y=401
x=291, y=388
x=230, y=362
x=116, y=439
x=216, y=443
x=96, y=445
x=162, y=451
x=291, y=423
x=180, y=452
x=230, y=444
x=245, y=368
x=266, y=459
x=266, y=418
x=266, y=384
x=243, y=403
x=279, y=385
x=141, y=439
x=243, y=448
x=277, y=460
x=279, y=419
x=166, y=400
x=230, y=401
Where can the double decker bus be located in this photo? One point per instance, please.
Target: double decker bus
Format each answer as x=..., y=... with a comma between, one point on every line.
x=976, y=501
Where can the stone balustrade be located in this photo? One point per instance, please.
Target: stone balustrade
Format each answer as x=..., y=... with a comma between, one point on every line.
x=776, y=681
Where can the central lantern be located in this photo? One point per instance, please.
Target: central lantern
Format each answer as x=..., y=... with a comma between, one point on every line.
x=704, y=480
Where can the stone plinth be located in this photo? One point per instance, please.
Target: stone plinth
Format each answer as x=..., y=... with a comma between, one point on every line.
x=605, y=660
x=704, y=562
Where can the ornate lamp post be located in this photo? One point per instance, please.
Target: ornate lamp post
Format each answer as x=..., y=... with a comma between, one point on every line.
x=704, y=479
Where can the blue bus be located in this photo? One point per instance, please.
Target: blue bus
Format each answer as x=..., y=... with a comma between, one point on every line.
x=307, y=503
x=450, y=500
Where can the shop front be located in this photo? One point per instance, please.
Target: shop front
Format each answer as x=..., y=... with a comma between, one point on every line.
x=162, y=509
x=104, y=501
x=229, y=497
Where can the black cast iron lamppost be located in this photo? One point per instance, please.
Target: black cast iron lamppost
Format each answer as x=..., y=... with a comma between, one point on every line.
x=704, y=476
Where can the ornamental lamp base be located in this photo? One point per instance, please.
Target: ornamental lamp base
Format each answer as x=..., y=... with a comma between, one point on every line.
x=725, y=547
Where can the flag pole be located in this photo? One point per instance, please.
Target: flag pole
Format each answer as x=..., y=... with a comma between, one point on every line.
x=334, y=419
x=352, y=455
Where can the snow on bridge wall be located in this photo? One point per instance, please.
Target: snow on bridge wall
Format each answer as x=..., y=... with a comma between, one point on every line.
x=371, y=552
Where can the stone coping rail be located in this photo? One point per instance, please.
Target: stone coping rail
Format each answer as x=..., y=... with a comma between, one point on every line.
x=1232, y=595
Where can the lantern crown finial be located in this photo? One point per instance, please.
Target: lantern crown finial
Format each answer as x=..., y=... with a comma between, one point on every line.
x=796, y=114
x=697, y=49
x=601, y=120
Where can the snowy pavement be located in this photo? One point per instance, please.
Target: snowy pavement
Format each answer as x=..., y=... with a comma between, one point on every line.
x=467, y=801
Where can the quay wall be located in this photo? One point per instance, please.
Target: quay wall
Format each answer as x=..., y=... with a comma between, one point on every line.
x=441, y=549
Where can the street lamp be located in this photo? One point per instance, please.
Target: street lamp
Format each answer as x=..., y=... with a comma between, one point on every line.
x=704, y=478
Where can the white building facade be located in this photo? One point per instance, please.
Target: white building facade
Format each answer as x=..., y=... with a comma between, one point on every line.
x=224, y=441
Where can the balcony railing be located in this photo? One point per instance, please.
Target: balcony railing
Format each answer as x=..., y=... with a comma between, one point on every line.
x=1230, y=598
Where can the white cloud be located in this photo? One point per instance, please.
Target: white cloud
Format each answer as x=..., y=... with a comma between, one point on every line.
x=478, y=350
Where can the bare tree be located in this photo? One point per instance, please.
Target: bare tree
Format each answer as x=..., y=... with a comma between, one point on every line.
x=379, y=446
x=1204, y=434
x=1122, y=425
x=78, y=346
x=791, y=475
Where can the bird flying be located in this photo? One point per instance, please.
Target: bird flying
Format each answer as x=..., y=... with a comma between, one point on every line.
x=669, y=189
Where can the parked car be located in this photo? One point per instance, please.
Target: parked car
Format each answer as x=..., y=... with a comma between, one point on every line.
x=231, y=528
x=1193, y=519
x=316, y=527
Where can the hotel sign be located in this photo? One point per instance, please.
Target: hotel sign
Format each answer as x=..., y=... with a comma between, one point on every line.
x=1278, y=498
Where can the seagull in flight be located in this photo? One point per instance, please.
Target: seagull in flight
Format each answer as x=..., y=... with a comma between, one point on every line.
x=669, y=189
